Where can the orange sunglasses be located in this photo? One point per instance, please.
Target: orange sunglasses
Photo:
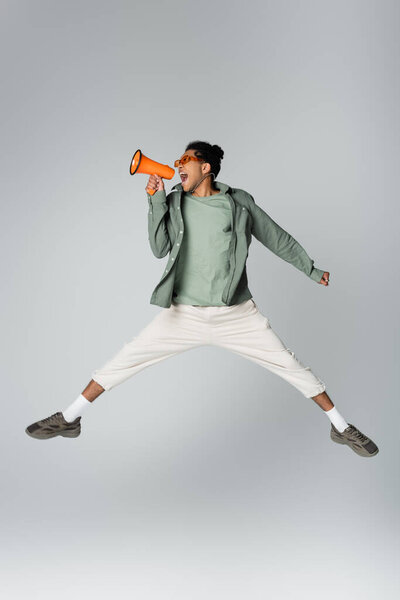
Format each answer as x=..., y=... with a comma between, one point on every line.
x=185, y=159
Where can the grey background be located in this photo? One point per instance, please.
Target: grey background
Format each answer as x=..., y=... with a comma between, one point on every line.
x=204, y=476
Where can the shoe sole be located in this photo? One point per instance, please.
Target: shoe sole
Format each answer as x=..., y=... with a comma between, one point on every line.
x=356, y=450
x=67, y=434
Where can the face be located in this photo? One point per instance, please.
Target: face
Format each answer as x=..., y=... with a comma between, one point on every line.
x=192, y=171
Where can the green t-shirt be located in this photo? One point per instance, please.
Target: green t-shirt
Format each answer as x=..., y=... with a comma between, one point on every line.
x=203, y=263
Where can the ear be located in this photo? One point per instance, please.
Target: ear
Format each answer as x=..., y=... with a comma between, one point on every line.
x=206, y=167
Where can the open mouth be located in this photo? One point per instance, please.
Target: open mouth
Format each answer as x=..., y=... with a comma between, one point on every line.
x=183, y=177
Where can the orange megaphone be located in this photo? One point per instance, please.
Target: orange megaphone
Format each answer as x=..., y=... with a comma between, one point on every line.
x=141, y=164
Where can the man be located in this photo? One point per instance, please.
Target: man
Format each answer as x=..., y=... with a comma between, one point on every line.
x=207, y=227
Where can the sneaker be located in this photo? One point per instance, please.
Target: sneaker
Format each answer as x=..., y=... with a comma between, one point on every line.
x=54, y=425
x=357, y=441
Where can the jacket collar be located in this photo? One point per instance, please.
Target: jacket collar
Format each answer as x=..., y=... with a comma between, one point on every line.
x=223, y=187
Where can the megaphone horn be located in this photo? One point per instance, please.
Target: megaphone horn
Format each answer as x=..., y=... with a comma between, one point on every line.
x=142, y=164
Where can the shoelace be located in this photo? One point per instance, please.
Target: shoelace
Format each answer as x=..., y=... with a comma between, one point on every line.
x=48, y=419
x=357, y=434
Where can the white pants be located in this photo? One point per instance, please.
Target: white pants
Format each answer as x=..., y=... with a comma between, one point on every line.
x=240, y=328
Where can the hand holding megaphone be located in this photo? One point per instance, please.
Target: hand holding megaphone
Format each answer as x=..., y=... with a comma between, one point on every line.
x=142, y=164
x=155, y=183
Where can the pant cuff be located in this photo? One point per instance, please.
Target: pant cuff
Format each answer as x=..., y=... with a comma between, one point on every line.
x=321, y=388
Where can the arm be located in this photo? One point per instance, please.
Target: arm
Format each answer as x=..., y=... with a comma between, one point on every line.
x=157, y=227
x=281, y=243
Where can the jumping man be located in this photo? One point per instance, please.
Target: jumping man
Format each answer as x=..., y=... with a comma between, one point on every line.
x=207, y=226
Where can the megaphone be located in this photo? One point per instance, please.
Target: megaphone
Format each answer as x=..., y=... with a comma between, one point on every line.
x=142, y=164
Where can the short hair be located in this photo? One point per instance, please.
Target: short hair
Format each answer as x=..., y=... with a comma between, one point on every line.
x=212, y=154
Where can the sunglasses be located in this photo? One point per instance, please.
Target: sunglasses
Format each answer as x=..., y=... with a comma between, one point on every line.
x=185, y=159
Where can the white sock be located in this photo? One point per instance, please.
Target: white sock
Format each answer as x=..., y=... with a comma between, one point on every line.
x=76, y=409
x=336, y=418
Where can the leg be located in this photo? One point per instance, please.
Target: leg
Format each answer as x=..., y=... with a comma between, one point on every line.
x=171, y=331
x=259, y=334
x=245, y=331
x=170, y=326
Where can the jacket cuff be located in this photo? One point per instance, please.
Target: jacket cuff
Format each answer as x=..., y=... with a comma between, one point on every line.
x=316, y=274
x=158, y=197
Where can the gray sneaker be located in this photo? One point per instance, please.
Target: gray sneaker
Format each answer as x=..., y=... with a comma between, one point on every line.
x=54, y=425
x=357, y=441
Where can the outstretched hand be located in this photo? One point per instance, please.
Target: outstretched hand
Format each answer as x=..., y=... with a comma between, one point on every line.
x=325, y=278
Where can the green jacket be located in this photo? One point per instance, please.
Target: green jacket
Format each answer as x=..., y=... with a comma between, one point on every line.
x=166, y=230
